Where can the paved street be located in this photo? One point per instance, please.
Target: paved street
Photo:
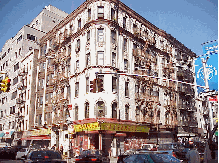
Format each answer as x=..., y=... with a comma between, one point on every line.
x=10, y=161
x=112, y=160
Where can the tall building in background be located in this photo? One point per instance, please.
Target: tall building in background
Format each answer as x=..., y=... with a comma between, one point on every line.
x=17, y=62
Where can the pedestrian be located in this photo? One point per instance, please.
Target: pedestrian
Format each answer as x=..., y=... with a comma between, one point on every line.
x=61, y=149
x=193, y=155
x=207, y=154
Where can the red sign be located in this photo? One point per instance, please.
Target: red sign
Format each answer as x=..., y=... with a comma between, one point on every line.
x=70, y=107
x=213, y=98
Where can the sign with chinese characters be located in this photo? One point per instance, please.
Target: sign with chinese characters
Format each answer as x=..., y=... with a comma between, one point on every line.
x=210, y=53
x=110, y=127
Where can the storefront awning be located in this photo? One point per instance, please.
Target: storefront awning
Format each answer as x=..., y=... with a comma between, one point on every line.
x=2, y=134
x=46, y=137
x=110, y=127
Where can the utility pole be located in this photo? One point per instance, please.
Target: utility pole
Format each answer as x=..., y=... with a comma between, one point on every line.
x=205, y=71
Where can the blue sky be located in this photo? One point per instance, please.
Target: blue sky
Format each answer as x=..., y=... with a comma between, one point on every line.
x=192, y=22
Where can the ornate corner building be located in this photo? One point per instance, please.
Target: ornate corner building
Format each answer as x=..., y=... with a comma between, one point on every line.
x=108, y=75
x=107, y=78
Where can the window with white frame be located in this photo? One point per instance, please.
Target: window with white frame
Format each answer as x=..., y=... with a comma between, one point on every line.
x=100, y=58
x=113, y=59
x=100, y=35
x=100, y=12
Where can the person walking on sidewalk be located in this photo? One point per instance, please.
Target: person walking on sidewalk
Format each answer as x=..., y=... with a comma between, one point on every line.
x=193, y=155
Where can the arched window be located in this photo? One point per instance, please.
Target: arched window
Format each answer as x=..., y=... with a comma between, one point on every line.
x=114, y=110
x=100, y=109
x=86, y=110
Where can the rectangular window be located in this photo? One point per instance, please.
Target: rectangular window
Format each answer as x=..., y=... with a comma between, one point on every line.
x=19, y=39
x=41, y=101
x=88, y=36
x=87, y=84
x=124, y=22
x=15, y=80
x=31, y=37
x=77, y=64
x=125, y=64
x=113, y=36
x=76, y=113
x=16, y=67
x=40, y=119
x=76, y=89
x=14, y=95
x=100, y=58
x=79, y=24
x=113, y=59
x=100, y=37
x=114, y=83
x=78, y=45
x=126, y=89
x=113, y=15
x=89, y=14
x=125, y=44
x=87, y=59
x=126, y=112
x=100, y=12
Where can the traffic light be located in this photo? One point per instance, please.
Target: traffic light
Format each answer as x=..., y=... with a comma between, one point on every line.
x=100, y=84
x=93, y=86
x=5, y=84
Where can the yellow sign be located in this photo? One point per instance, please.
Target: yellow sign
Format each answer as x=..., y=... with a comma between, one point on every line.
x=87, y=127
x=110, y=127
x=41, y=132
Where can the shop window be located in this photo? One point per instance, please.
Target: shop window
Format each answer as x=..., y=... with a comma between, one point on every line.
x=114, y=110
x=86, y=110
x=100, y=12
x=100, y=109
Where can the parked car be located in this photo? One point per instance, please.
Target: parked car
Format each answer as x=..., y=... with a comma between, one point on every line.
x=148, y=146
x=22, y=153
x=172, y=148
x=121, y=157
x=150, y=158
x=91, y=155
x=44, y=156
